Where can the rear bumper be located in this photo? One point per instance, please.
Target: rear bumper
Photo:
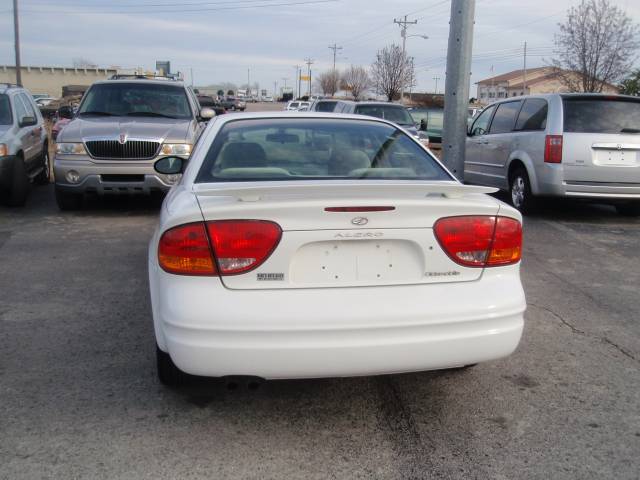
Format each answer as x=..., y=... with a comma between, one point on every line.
x=92, y=181
x=212, y=331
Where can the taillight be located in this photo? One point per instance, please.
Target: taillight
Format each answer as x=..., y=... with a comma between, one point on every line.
x=553, y=149
x=185, y=250
x=480, y=241
x=242, y=245
x=360, y=209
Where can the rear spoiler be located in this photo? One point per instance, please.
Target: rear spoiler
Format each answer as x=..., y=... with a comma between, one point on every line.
x=254, y=191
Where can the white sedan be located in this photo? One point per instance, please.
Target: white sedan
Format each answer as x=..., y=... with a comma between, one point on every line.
x=303, y=245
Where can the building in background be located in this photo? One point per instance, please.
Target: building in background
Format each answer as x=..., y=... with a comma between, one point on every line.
x=51, y=80
x=512, y=84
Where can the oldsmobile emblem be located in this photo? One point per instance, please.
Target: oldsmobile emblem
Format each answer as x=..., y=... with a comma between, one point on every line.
x=360, y=221
x=123, y=138
x=619, y=147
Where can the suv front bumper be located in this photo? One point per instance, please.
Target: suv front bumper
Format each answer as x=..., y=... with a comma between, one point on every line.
x=116, y=177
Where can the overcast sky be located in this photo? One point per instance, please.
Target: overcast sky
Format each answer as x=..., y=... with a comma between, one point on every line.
x=221, y=39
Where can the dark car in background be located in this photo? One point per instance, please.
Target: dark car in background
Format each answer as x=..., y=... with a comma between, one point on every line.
x=430, y=121
x=207, y=101
x=233, y=104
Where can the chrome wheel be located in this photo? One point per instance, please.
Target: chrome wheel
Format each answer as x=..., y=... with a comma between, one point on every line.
x=518, y=191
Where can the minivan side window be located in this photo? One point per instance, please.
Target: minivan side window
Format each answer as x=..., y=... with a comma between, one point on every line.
x=21, y=110
x=533, y=115
x=505, y=118
x=481, y=125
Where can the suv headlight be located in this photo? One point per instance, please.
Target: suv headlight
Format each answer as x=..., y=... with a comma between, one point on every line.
x=70, y=149
x=4, y=150
x=176, y=149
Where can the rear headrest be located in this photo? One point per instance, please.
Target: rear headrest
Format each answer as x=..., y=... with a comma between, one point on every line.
x=243, y=155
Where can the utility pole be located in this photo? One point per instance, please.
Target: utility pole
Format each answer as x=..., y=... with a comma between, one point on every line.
x=436, y=79
x=309, y=62
x=524, y=70
x=16, y=33
x=456, y=91
x=296, y=83
x=191, y=75
x=248, y=94
x=275, y=91
x=285, y=82
x=335, y=48
x=403, y=33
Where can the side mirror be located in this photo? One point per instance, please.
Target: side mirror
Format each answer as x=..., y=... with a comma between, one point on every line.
x=27, y=121
x=170, y=165
x=65, y=112
x=423, y=124
x=207, y=113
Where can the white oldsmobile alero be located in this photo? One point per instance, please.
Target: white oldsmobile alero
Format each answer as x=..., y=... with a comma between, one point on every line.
x=304, y=245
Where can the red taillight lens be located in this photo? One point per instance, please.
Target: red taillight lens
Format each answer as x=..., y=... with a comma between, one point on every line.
x=185, y=250
x=242, y=245
x=480, y=241
x=359, y=209
x=553, y=149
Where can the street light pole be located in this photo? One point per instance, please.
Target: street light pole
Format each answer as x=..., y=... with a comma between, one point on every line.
x=16, y=33
x=456, y=91
x=309, y=62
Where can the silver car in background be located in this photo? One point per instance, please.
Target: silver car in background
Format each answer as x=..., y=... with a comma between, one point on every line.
x=559, y=145
x=122, y=127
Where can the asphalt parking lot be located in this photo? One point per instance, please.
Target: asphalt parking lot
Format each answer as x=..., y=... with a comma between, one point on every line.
x=79, y=396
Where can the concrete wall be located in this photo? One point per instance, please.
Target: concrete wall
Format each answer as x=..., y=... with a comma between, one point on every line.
x=51, y=79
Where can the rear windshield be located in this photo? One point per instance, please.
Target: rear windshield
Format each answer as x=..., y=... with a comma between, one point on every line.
x=601, y=115
x=393, y=113
x=136, y=99
x=5, y=111
x=313, y=149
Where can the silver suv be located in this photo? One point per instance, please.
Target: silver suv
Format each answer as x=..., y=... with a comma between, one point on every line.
x=563, y=145
x=123, y=126
x=24, y=152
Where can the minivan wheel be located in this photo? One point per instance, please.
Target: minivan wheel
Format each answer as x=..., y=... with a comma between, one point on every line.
x=19, y=188
x=68, y=201
x=629, y=209
x=43, y=177
x=168, y=373
x=520, y=190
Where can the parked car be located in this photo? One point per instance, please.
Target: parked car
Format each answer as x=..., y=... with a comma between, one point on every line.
x=430, y=121
x=122, y=127
x=207, y=101
x=559, y=145
x=393, y=112
x=37, y=96
x=44, y=101
x=24, y=146
x=362, y=234
x=63, y=116
x=267, y=99
x=295, y=105
x=233, y=104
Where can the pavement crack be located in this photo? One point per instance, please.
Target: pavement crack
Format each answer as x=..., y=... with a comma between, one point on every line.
x=582, y=332
x=400, y=425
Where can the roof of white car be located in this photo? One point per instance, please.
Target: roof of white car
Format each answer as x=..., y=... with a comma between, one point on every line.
x=282, y=114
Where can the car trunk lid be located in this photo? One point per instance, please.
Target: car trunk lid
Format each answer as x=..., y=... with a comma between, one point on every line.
x=336, y=234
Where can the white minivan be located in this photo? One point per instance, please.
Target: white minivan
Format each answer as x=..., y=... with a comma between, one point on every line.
x=564, y=145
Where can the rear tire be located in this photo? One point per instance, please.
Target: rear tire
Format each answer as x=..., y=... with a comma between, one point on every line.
x=44, y=177
x=168, y=373
x=520, y=191
x=68, y=201
x=19, y=188
x=629, y=209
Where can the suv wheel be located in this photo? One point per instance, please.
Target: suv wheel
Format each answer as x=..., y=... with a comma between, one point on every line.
x=19, y=188
x=68, y=201
x=629, y=209
x=44, y=176
x=520, y=190
x=168, y=373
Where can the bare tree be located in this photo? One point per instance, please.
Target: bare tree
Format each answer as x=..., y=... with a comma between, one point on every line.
x=329, y=82
x=356, y=80
x=80, y=62
x=391, y=71
x=596, y=46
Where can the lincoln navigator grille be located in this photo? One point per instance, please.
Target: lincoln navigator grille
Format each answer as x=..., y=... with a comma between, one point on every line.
x=130, y=150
